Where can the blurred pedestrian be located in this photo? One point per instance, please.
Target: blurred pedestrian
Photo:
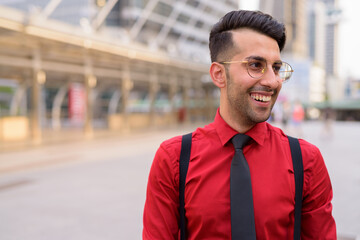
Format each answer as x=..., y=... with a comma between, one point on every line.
x=298, y=116
x=286, y=115
x=247, y=68
x=327, y=117
x=182, y=115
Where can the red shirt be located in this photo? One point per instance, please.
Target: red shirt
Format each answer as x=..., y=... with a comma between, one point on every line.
x=207, y=190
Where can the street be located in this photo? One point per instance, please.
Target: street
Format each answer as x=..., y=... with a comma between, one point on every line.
x=95, y=189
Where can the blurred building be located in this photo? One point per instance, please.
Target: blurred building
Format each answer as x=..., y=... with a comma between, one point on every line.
x=296, y=52
x=180, y=27
x=311, y=46
x=317, y=49
x=312, y=50
x=105, y=63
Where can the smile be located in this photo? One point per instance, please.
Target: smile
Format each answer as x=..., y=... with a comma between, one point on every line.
x=260, y=98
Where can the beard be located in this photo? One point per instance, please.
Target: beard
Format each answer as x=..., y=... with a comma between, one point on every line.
x=241, y=105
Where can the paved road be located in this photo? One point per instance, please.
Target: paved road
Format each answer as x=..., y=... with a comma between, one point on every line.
x=95, y=189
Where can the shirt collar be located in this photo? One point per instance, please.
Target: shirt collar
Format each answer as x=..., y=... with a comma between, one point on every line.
x=225, y=132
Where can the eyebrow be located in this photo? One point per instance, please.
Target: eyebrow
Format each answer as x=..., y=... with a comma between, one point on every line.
x=256, y=58
x=259, y=58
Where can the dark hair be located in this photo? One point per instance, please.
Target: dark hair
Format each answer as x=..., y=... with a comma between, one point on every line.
x=220, y=41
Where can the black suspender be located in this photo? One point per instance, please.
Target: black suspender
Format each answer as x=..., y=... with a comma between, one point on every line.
x=299, y=180
x=298, y=174
x=183, y=165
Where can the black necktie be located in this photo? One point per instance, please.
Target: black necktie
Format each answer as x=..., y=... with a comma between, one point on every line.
x=242, y=207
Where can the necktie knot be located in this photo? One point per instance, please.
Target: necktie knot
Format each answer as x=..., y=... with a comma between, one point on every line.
x=240, y=140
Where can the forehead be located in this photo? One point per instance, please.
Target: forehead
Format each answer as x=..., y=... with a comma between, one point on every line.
x=248, y=42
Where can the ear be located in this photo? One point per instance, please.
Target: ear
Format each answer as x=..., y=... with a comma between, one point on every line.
x=218, y=74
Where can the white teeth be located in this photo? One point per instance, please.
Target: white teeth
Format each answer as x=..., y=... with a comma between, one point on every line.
x=261, y=98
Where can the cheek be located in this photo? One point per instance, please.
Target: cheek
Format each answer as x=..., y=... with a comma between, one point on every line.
x=238, y=80
x=278, y=89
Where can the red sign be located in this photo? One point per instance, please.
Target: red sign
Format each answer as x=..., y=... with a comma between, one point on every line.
x=77, y=103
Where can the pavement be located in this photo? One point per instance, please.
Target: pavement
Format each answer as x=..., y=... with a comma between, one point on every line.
x=338, y=144
x=14, y=155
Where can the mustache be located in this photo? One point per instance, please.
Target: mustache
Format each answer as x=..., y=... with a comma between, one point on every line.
x=262, y=89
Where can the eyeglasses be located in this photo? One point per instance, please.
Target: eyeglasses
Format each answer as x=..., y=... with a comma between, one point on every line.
x=256, y=68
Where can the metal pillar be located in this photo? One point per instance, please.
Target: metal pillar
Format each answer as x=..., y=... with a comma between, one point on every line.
x=209, y=108
x=186, y=98
x=17, y=107
x=38, y=79
x=146, y=12
x=103, y=14
x=114, y=102
x=173, y=88
x=126, y=86
x=153, y=89
x=56, y=109
x=90, y=83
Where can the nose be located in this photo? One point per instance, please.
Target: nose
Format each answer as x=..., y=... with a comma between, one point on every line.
x=270, y=79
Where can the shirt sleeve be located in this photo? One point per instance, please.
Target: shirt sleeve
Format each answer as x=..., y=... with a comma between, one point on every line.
x=317, y=221
x=161, y=214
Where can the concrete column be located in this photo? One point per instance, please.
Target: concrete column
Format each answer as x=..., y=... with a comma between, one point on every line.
x=208, y=103
x=173, y=88
x=186, y=98
x=16, y=106
x=56, y=108
x=201, y=100
x=198, y=110
x=90, y=83
x=126, y=86
x=114, y=102
x=153, y=90
x=38, y=79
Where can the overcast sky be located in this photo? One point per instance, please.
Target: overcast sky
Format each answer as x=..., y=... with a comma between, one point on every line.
x=349, y=38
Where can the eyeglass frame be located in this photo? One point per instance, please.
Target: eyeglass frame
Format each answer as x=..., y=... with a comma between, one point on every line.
x=263, y=70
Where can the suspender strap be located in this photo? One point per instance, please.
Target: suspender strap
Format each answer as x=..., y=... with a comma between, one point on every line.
x=298, y=175
x=299, y=179
x=183, y=165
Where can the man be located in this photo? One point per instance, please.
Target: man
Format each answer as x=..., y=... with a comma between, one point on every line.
x=247, y=68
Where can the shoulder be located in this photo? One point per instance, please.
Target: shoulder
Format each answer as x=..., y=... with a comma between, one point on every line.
x=165, y=164
x=312, y=157
x=172, y=147
x=308, y=148
x=315, y=170
x=276, y=133
x=169, y=150
x=168, y=155
x=310, y=152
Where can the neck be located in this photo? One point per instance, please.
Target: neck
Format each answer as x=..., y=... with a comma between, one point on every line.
x=236, y=122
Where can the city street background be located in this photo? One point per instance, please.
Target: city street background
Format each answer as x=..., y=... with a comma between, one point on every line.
x=73, y=188
x=90, y=88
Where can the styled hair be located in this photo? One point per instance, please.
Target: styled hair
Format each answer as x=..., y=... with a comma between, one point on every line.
x=220, y=40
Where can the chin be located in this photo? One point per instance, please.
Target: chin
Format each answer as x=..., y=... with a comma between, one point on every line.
x=260, y=119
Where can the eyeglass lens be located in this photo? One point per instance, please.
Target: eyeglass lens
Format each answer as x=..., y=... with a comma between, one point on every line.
x=256, y=69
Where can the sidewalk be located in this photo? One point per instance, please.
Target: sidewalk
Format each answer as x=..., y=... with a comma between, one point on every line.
x=53, y=137
x=51, y=150
x=339, y=148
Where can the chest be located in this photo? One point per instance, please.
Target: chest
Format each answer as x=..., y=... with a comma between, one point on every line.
x=207, y=191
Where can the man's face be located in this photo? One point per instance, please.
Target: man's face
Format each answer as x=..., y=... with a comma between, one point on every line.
x=250, y=100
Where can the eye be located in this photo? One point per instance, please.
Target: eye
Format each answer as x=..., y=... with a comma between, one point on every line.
x=277, y=67
x=256, y=65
